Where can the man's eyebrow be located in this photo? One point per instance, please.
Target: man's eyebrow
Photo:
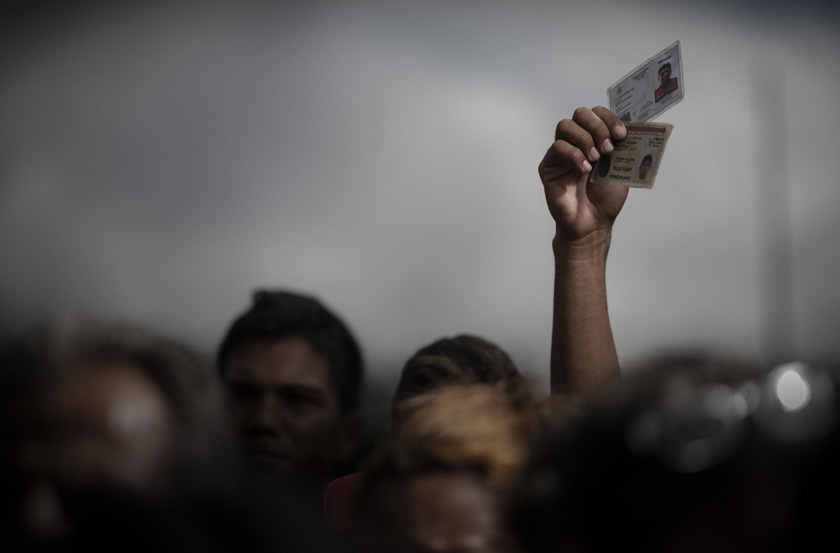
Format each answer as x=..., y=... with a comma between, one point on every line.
x=241, y=382
x=299, y=388
x=282, y=388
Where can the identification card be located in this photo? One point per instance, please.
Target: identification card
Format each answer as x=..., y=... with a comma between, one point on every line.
x=651, y=88
x=635, y=160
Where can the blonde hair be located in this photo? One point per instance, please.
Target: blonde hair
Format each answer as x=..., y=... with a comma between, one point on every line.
x=486, y=429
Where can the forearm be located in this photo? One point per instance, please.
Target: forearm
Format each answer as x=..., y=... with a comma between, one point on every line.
x=583, y=354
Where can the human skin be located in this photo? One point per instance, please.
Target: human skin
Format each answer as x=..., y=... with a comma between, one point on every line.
x=435, y=512
x=286, y=407
x=583, y=354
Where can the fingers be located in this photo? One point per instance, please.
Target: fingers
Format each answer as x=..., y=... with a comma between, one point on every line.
x=616, y=125
x=563, y=154
x=591, y=131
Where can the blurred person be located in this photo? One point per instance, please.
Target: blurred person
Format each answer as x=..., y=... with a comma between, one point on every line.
x=690, y=455
x=437, y=484
x=293, y=371
x=481, y=423
x=446, y=362
x=95, y=415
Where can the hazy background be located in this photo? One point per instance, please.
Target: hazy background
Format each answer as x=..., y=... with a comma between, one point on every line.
x=158, y=163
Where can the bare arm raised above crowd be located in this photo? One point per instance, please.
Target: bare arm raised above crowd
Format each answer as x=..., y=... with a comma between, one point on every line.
x=583, y=355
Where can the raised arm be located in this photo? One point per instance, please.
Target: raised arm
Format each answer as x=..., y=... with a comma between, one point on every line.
x=583, y=355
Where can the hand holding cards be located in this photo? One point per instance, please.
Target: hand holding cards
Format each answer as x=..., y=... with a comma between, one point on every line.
x=642, y=94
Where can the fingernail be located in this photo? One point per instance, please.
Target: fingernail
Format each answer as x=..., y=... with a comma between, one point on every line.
x=607, y=146
x=620, y=131
x=587, y=166
x=593, y=154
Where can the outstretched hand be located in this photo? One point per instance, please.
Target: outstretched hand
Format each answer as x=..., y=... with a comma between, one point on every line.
x=583, y=211
x=583, y=356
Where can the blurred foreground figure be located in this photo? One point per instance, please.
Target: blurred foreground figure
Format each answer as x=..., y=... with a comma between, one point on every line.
x=437, y=484
x=447, y=362
x=691, y=456
x=294, y=375
x=115, y=438
x=97, y=406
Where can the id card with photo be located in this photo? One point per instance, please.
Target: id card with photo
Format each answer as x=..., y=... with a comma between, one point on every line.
x=651, y=88
x=635, y=160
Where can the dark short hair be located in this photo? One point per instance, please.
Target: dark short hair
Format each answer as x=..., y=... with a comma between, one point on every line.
x=647, y=158
x=462, y=359
x=278, y=314
x=663, y=66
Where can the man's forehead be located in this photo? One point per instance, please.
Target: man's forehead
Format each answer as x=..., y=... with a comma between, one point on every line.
x=285, y=361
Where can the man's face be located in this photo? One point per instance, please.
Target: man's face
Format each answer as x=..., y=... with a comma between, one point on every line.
x=286, y=407
x=664, y=75
x=644, y=168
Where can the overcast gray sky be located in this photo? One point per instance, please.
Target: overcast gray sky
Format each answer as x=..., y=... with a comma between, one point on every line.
x=159, y=163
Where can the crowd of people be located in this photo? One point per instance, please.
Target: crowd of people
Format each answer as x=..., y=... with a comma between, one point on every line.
x=111, y=436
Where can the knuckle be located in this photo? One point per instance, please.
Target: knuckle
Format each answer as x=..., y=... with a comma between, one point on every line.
x=584, y=139
x=577, y=156
x=562, y=128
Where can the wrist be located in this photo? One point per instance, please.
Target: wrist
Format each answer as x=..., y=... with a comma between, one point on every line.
x=594, y=246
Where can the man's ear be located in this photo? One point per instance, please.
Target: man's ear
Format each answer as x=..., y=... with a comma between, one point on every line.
x=351, y=428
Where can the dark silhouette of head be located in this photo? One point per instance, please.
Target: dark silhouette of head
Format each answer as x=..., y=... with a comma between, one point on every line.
x=462, y=359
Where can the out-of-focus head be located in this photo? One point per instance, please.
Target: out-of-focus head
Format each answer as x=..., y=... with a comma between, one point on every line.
x=462, y=359
x=485, y=427
x=446, y=511
x=294, y=374
x=438, y=483
x=689, y=455
x=91, y=408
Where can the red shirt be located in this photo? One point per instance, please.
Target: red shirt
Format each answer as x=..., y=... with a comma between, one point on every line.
x=663, y=91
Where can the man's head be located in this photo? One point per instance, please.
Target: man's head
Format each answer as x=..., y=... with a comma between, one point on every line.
x=644, y=166
x=463, y=359
x=665, y=74
x=437, y=483
x=294, y=374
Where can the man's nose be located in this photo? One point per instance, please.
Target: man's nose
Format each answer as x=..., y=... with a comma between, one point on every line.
x=268, y=413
